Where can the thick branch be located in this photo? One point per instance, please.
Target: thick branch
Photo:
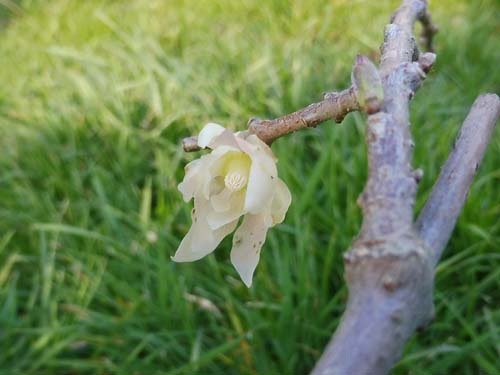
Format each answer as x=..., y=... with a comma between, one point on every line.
x=388, y=270
x=388, y=198
x=390, y=295
x=333, y=106
x=437, y=218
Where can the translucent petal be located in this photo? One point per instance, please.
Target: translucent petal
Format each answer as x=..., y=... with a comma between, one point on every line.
x=216, y=219
x=210, y=169
x=192, y=179
x=221, y=202
x=281, y=201
x=208, y=133
x=256, y=141
x=247, y=243
x=261, y=179
x=201, y=240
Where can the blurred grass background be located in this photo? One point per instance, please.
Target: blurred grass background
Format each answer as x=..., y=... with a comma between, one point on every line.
x=95, y=96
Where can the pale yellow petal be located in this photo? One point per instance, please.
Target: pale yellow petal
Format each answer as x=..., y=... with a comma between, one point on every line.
x=256, y=141
x=201, y=240
x=192, y=180
x=216, y=219
x=247, y=243
x=208, y=133
x=281, y=201
x=221, y=202
x=262, y=177
x=210, y=169
x=226, y=138
x=261, y=184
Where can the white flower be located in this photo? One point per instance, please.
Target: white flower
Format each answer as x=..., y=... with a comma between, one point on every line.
x=238, y=178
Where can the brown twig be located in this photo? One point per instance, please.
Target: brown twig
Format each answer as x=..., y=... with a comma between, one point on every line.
x=335, y=105
x=190, y=144
x=437, y=219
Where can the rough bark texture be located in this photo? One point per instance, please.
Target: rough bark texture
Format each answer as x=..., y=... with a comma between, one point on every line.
x=390, y=267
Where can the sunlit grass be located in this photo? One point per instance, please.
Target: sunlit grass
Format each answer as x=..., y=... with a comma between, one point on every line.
x=94, y=98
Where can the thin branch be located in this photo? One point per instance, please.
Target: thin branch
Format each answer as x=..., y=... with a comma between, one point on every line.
x=190, y=144
x=439, y=215
x=399, y=43
x=333, y=106
x=429, y=29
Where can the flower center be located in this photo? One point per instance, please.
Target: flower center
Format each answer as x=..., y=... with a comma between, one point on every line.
x=235, y=181
x=235, y=170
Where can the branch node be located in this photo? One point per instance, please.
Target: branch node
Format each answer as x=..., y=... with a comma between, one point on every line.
x=367, y=85
x=418, y=174
x=190, y=144
x=426, y=61
x=390, y=283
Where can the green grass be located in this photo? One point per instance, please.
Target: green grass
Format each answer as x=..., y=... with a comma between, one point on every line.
x=95, y=96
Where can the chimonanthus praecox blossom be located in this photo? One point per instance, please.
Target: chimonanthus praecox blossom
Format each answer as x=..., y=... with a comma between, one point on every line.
x=238, y=178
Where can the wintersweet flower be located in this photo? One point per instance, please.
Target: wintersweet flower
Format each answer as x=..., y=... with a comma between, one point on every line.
x=238, y=178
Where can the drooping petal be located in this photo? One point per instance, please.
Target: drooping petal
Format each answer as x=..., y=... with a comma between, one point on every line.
x=208, y=133
x=281, y=201
x=247, y=243
x=201, y=240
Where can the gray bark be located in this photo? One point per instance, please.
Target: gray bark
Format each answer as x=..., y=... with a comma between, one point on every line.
x=390, y=268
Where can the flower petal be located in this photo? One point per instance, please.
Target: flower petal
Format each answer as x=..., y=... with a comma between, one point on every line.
x=192, y=179
x=201, y=240
x=216, y=219
x=256, y=141
x=221, y=202
x=208, y=170
x=208, y=133
x=247, y=243
x=261, y=180
x=281, y=201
